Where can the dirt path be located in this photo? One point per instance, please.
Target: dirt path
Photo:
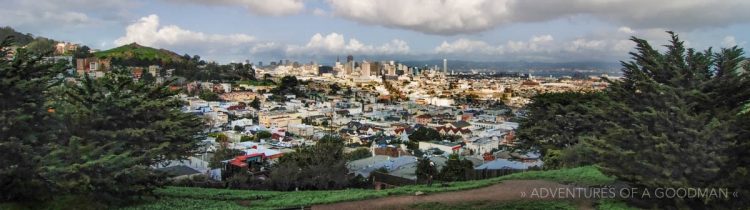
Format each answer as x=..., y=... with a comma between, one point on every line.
x=505, y=191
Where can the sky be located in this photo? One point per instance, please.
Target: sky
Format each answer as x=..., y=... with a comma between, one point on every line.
x=322, y=30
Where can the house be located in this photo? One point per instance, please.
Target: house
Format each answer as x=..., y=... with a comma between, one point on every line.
x=252, y=163
x=482, y=145
x=241, y=123
x=301, y=129
x=459, y=124
x=445, y=146
x=423, y=119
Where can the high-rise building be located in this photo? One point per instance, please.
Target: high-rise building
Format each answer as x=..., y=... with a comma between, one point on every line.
x=349, y=58
x=365, y=68
x=445, y=66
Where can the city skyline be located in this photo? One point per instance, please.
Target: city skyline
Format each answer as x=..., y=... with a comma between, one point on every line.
x=236, y=30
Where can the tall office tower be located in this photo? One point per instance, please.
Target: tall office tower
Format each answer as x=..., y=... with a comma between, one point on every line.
x=365, y=66
x=445, y=66
x=349, y=58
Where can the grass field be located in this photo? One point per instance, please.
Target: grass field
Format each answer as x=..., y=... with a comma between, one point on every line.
x=206, y=198
x=201, y=198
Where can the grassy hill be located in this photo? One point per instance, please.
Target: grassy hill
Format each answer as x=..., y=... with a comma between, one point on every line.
x=139, y=52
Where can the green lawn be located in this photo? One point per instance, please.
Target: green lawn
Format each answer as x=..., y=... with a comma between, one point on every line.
x=206, y=198
x=201, y=198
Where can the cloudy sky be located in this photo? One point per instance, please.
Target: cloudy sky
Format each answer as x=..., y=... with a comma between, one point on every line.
x=305, y=30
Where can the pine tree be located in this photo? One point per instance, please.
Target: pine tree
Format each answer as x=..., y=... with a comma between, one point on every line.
x=25, y=124
x=115, y=131
x=673, y=122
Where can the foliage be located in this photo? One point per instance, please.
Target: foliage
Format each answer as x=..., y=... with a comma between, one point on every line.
x=203, y=198
x=455, y=169
x=556, y=120
x=82, y=52
x=25, y=123
x=41, y=46
x=318, y=167
x=209, y=95
x=135, y=51
x=673, y=121
x=223, y=153
x=19, y=39
x=263, y=135
x=255, y=103
x=359, y=153
x=426, y=170
x=115, y=130
x=422, y=134
x=246, y=138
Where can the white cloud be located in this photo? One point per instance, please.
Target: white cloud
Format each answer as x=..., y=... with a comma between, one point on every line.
x=607, y=45
x=467, y=46
x=729, y=41
x=61, y=14
x=469, y=16
x=148, y=31
x=335, y=43
x=319, y=12
x=260, y=7
x=626, y=30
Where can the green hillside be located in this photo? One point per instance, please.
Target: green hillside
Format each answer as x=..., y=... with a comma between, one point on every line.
x=20, y=39
x=139, y=52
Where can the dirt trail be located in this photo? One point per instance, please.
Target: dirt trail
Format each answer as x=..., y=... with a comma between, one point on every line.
x=505, y=191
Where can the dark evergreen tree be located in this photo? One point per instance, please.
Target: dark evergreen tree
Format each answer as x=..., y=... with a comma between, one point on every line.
x=455, y=169
x=318, y=167
x=25, y=124
x=255, y=103
x=426, y=170
x=673, y=122
x=115, y=131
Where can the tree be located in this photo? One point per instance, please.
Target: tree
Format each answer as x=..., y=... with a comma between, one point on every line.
x=424, y=134
x=335, y=88
x=26, y=124
x=41, y=46
x=115, y=131
x=426, y=170
x=317, y=167
x=208, y=95
x=223, y=152
x=82, y=52
x=359, y=153
x=263, y=135
x=255, y=103
x=673, y=122
x=556, y=121
x=455, y=169
x=147, y=78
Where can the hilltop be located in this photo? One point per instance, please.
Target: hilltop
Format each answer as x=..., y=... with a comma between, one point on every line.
x=139, y=52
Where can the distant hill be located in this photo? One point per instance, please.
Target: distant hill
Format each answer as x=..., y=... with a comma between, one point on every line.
x=20, y=39
x=135, y=51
